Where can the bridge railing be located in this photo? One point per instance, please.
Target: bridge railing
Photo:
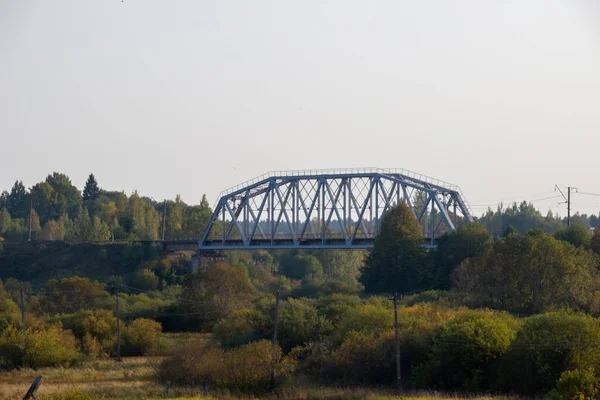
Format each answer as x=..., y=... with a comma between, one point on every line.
x=340, y=171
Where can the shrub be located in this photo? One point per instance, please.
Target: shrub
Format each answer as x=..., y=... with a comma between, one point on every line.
x=576, y=384
x=547, y=345
x=145, y=279
x=362, y=358
x=245, y=369
x=95, y=329
x=466, y=352
x=372, y=318
x=9, y=313
x=235, y=329
x=48, y=347
x=142, y=336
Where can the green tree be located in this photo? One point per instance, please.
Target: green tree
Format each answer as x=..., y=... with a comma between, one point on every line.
x=82, y=226
x=45, y=202
x=576, y=234
x=17, y=201
x=145, y=279
x=5, y=221
x=215, y=291
x=91, y=190
x=397, y=262
x=301, y=266
x=68, y=196
x=53, y=230
x=100, y=231
x=174, y=220
x=72, y=295
x=469, y=240
x=467, y=352
x=545, y=346
x=529, y=274
x=196, y=220
x=3, y=199
x=145, y=219
x=35, y=223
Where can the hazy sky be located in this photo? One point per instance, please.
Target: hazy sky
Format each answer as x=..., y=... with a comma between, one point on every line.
x=499, y=97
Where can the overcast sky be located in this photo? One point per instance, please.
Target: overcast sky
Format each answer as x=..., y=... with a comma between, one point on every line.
x=499, y=97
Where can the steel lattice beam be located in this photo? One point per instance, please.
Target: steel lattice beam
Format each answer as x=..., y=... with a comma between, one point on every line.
x=329, y=209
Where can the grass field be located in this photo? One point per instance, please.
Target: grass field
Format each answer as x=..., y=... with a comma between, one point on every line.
x=135, y=378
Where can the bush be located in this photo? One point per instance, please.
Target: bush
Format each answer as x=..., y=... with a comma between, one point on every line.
x=95, y=329
x=246, y=369
x=576, y=384
x=371, y=318
x=142, y=336
x=362, y=358
x=235, y=329
x=145, y=279
x=546, y=346
x=9, y=313
x=48, y=347
x=466, y=352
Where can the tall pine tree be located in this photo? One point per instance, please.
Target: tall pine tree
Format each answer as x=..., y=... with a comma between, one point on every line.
x=397, y=262
x=91, y=190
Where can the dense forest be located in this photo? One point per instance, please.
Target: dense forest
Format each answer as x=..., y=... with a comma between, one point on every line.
x=58, y=210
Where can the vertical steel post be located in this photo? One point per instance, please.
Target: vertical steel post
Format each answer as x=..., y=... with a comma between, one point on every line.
x=223, y=224
x=377, y=206
x=432, y=221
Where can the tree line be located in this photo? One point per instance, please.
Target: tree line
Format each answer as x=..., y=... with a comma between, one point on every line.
x=56, y=209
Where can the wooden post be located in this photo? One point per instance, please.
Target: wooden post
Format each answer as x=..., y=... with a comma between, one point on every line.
x=118, y=327
x=398, y=370
x=274, y=347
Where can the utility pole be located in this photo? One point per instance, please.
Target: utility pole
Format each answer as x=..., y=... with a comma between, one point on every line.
x=398, y=370
x=22, y=304
x=567, y=200
x=274, y=346
x=118, y=326
x=30, y=214
x=164, y=219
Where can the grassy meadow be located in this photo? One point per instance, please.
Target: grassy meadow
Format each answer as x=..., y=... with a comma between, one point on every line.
x=136, y=378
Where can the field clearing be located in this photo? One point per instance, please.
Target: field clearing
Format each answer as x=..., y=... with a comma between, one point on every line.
x=135, y=378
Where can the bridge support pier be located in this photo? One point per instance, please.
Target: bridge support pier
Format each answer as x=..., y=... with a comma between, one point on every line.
x=202, y=258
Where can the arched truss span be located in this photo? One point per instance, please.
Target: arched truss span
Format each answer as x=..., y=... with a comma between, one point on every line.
x=339, y=209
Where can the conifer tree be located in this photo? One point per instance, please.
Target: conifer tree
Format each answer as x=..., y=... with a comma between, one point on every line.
x=91, y=190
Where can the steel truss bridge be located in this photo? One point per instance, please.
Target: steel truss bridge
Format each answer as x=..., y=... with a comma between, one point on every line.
x=329, y=209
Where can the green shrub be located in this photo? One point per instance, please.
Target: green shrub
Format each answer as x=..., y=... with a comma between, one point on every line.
x=466, y=352
x=545, y=346
x=362, y=358
x=51, y=346
x=576, y=384
x=9, y=313
x=371, y=318
x=245, y=369
x=145, y=279
x=95, y=329
x=142, y=336
x=235, y=329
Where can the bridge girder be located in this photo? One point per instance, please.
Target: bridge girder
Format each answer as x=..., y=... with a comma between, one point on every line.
x=328, y=209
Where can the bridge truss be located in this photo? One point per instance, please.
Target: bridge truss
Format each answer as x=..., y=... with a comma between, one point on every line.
x=337, y=209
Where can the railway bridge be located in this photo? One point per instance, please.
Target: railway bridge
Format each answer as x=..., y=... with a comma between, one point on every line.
x=328, y=209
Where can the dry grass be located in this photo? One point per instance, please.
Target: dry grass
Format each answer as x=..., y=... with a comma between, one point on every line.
x=135, y=378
